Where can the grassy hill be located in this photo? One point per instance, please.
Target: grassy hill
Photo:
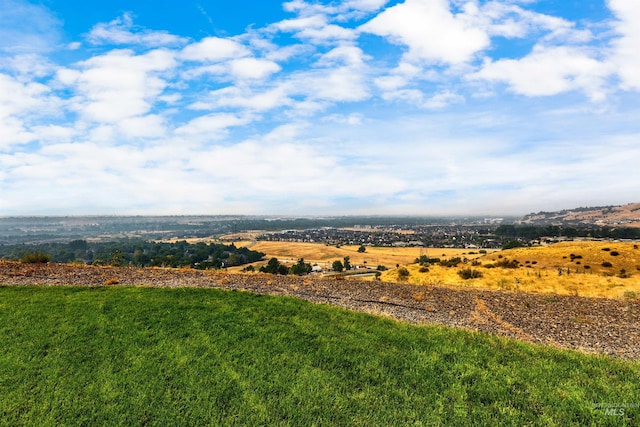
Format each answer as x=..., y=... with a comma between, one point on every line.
x=157, y=356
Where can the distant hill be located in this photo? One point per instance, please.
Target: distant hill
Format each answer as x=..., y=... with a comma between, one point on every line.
x=626, y=216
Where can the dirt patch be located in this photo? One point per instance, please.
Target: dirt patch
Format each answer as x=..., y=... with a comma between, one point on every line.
x=591, y=325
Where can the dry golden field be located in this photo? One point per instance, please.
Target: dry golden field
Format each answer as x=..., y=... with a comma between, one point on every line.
x=570, y=268
x=323, y=255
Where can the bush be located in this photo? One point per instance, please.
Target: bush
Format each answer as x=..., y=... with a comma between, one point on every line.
x=468, y=273
x=607, y=264
x=403, y=274
x=453, y=262
x=36, y=258
x=505, y=263
x=614, y=253
x=623, y=274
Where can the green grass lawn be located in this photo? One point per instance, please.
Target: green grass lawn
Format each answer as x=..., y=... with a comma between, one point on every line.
x=187, y=357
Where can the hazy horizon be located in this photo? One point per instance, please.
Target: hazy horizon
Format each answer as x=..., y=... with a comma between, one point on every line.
x=312, y=108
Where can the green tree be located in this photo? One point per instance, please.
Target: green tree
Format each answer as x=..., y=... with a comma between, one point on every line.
x=272, y=266
x=300, y=268
x=362, y=249
x=337, y=266
x=347, y=264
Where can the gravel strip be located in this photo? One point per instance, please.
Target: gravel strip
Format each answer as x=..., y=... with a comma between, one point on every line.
x=591, y=325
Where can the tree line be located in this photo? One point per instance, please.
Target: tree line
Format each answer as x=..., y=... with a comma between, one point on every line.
x=531, y=232
x=135, y=253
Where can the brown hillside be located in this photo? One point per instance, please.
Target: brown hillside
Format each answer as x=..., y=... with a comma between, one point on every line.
x=626, y=215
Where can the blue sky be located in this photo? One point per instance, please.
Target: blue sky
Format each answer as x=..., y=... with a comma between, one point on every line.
x=302, y=107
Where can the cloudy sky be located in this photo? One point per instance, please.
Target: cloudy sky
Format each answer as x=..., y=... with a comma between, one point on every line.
x=317, y=106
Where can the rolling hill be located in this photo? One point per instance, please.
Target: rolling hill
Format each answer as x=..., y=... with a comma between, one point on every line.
x=626, y=215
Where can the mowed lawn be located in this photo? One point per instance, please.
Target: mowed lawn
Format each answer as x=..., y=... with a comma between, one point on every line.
x=188, y=357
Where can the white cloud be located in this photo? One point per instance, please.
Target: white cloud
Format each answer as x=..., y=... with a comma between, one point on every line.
x=252, y=68
x=340, y=76
x=315, y=28
x=52, y=132
x=22, y=104
x=17, y=98
x=343, y=55
x=431, y=31
x=122, y=31
x=244, y=97
x=344, y=84
x=150, y=126
x=213, y=49
x=117, y=85
x=343, y=11
x=212, y=126
x=29, y=66
x=27, y=28
x=549, y=71
x=626, y=55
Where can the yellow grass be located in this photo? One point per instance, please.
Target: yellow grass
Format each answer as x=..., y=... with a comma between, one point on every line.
x=548, y=269
x=323, y=255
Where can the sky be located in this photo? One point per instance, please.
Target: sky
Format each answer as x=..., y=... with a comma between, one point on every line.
x=302, y=107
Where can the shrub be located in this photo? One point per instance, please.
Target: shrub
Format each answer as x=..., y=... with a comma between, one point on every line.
x=425, y=260
x=424, y=269
x=36, y=258
x=606, y=249
x=468, y=273
x=453, y=262
x=614, y=253
x=505, y=263
x=607, y=264
x=623, y=274
x=403, y=274
x=630, y=294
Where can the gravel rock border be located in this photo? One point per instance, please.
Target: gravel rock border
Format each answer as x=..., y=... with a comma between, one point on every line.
x=591, y=325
